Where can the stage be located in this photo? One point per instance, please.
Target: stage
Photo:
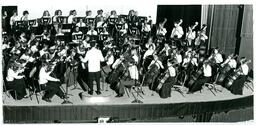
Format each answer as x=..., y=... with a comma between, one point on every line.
x=199, y=106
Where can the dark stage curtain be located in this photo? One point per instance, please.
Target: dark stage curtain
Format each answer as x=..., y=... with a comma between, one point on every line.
x=189, y=13
x=225, y=27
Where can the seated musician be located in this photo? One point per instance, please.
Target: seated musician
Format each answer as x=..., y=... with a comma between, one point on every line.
x=149, y=52
x=161, y=31
x=13, y=19
x=92, y=31
x=153, y=71
x=77, y=31
x=168, y=80
x=150, y=42
x=50, y=84
x=81, y=23
x=46, y=34
x=16, y=81
x=101, y=22
x=177, y=56
x=242, y=72
x=207, y=74
x=22, y=37
x=88, y=14
x=132, y=19
x=217, y=59
x=146, y=27
x=190, y=35
x=104, y=32
x=200, y=38
x=124, y=28
x=177, y=31
x=25, y=16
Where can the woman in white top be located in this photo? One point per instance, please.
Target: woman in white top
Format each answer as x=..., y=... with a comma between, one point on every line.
x=16, y=81
x=13, y=19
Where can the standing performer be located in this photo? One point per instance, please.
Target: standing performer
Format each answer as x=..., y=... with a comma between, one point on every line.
x=94, y=57
x=50, y=84
x=207, y=71
x=177, y=31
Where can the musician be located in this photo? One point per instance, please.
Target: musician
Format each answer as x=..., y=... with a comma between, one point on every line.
x=88, y=14
x=161, y=31
x=207, y=73
x=124, y=27
x=25, y=16
x=104, y=32
x=238, y=84
x=50, y=84
x=190, y=35
x=16, y=81
x=46, y=34
x=101, y=23
x=201, y=36
x=13, y=19
x=132, y=19
x=72, y=15
x=168, y=80
x=77, y=31
x=81, y=23
x=133, y=70
x=99, y=16
x=4, y=21
x=46, y=14
x=153, y=71
x=113, y=14
x=216, y=59
x=177, y=56
x=93, y=57
x=55, y=18
x=146, y=27
x=149, y=52
x=177, y=31
x=150, y=42
x=92, y=31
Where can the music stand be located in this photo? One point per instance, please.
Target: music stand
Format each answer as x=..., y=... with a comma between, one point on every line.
x=89, y=20
x=93, y=37
x=38, y=38
x=45, y=21
x=112, y=20
x=142, y=19
x=78, y=37
x=123, y=17
x=20, y=24
x=32, y=22
x=66, y=28
x=84, y=30
x=63, y=19
x=119, y=26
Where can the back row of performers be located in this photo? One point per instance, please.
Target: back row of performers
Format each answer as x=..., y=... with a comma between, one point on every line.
x=158, y=63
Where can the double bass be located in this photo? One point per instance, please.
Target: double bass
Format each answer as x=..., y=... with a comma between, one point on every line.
x=233, y=76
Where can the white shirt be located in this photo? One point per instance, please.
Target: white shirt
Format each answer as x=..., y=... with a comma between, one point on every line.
x=191, y=35
x=172, y=71
x=207, y=70
x=110, y=60
x=245, y=69
x=81, y=24
x=161, y=31
x=92, y=32
x=44, y=76
x=148, y=53
x=99, y=24
x=11, y=75
x=146, y=28
x=218, y=58
x=178, y=58
x=177, y=31
x=70, y=19
x=232, y=63
x=158, y=63
x=13, y=19
x=94, y=57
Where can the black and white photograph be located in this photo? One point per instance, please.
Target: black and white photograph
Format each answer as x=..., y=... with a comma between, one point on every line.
x=126, y=61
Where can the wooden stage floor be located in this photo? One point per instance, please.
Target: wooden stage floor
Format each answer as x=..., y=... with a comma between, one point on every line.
x=108, y=98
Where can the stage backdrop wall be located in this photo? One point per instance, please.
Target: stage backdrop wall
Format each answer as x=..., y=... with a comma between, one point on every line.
x=36, y=9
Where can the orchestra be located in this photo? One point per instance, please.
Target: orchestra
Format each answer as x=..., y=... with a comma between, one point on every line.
x=117, y=50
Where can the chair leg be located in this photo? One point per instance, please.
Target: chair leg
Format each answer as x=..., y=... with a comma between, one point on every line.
x=15, y=94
